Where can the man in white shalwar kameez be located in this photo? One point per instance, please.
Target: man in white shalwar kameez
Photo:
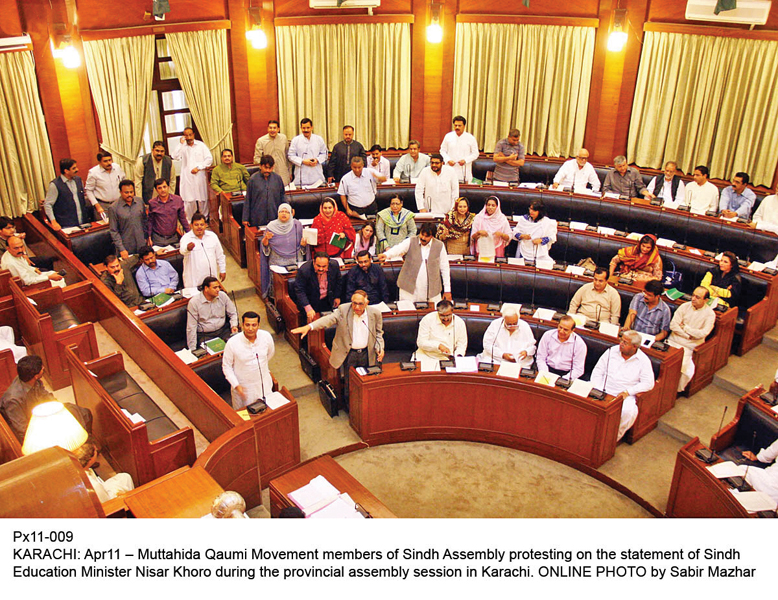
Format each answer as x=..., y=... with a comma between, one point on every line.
x=193, y=181
x=459, y=149
x=441, y=335
x=107, y=489
x=203, y=254
x=764, y=480
x=7, y=342
x=245, y=362
x=508, y=339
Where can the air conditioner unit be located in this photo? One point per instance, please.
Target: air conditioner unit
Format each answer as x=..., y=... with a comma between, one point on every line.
x=344, y=3
x=748, y=12
x=15, y=43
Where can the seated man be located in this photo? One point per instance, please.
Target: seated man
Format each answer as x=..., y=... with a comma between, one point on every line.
x=577, y=173
x=7, y=342
x=19, y=264
x=737, y=200
x=359, y=338
x=369, y=277
x=508, y=339
x=318, y=285
x=597, y=301
x=410, y=165
x=229, y=176
x=127, y=219
x=764, y=480
x=624, y=371
x=562, y=351
x=210, y=314
x=167, y=220
x=691, y=324
x=420, y=251
x=766, y=216
x=625, y=180
x=155, y=276
x=670, y=187
x=108, y=489
x=118, y=277
x=701, y=195
x=26, y=392
x=442, y=334
x=7, y=231
x=648, y=313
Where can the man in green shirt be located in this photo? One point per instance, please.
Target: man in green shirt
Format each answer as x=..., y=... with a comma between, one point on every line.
x=229, y=176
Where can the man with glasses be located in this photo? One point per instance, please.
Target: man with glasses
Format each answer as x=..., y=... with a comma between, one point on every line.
x=410, y=165
x=562, y=351
x=691, y=324
x=576, y=173
x=359, y=337
x=508, y=339
x=670, y=187
x=442, y=334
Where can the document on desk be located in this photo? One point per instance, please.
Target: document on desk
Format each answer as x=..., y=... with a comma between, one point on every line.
x=545, y=263
x=519, y=262
x=665, y=243
x=575, y=270
x=578, y=225
x=70, y=230
x=647, y=340
x=756, y=266
x=187, y=356
x=609, y=329
x=405, y=305
x=509, y=369
x=317, y=494
x=466, y=364
x=726, y=469
x=342, y=507
x=455, y=257
x=278, y=269
x=545, y=314
x=606, y=230
x=635, y=236
x=580, y=320
x=276, y=400
x=581, y=388
x=428, y=364
x=383, y=307
x=754, y=501
x=546, y=378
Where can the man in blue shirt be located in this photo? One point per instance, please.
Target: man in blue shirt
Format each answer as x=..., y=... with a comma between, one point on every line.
x=648, y=313
x=368, y=277
x=737, y=200
x=155, y=276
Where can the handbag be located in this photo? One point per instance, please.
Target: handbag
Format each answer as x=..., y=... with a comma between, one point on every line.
x=673, y=278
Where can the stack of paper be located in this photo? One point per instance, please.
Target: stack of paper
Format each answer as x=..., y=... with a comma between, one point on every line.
x=189, y=292
x=389, y=181
x=756, y=266
x=428, y=364
x=609, y=329
x=581, y=388
x=606, y=230
x=545, y=263
x=729, y=219
x=383, y=307
x=614, y=195
x=580, y=320
x=726, y=469
x=314, y=496
x=311, y=236
x=474, y=308
x=306, y=222
x=665, y=243
x=405, y=305
x=754, y=501
x=671, y=204
x=512, y=260
x=70, y=230
x=500, y=183
x=575, y=270
x=342, y=507
x=159, y=249
x=545, y=314
x=529, y=186
x=546, y=378
x=186, y=356
x=578, y=225
x=455, y=257
x=466, y=364
x=509, y=369
x=278, y=269
x=275, y=400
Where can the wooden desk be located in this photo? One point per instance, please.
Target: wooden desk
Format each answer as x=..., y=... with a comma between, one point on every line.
x=403, y=406
x=338, y=476
x=186, y=494
x=695, y=492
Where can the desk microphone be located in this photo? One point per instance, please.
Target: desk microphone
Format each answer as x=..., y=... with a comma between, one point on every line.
x=494, y=343
x=707, y=455
x=261, y=378
x=739, y=483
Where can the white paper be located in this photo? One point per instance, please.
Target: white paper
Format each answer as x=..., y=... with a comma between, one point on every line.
x=278, y=269
x=389, y=181
x=578, y=225
x=315, y=495
x=697, y=211
x=500, y=183
x=189, y=292
x=775, y=409
x=311, y=235
x=586, y=191
x=581, y=388
x=70, y=230
x=509, y=369
x=575, y=270
x=647, y=339
x=635, y=236
x=342, y=507
x=163, y=249
x=726, y=469
x=474, y=308
x=613, y=195
x=306, y=222
x=694, y=251
x=729, y=219
x=466, y=364
x=275, y=400
x=32, y=301
x=580, y=320
x=544, y=263
x=671, y=204
x=546, y=378
x=546, y=314
x=314, y=185
x=529, y=186
x=718, y=256
x=291, y=187
x=455, y=257
x=606, y=230
x=139, y=312
x=383, y=307
x=405, y=305
x=665, y=243
x=609, y=329
x=428, y=364
x=186, y=356
x=755, y=501
x=756, y=267
x=485, y=246
x=512, y=260
x=134, y=417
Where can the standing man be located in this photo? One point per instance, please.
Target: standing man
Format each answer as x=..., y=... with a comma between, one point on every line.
x=308, y=153
x=691, y=324
x=625, y=181
x=118, y=278
x=701, y=195
x=442, y=334
x=670, y=187
x=737, y=200
x=459, y=149
x=102, y=181
x=229, y=176
x=167, y=220
x=508, y=339
x=562, y=351
x=203, y=254
x=153, y=166
x=342, y=154
x=410, y=165
x=245, y=362
x=127, y=221
x=357, y=190
x=359, y=337
x=368, y=277
x=576, y=173
x=425, y=273
x=508, y=157
x=597, y=300
x=624, y=371
x=195, y=159
x=275, y=145
x=378, y=163
x=318, y=285
x=648, y=313
x=265, y=193
x=210, y=314
x=437, y=187
x=66, y=203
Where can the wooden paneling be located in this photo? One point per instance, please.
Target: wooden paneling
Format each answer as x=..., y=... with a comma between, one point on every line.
x=98, y=14
x=300, y=8
x=674, y=11
x=11, y=23
x=579, y=8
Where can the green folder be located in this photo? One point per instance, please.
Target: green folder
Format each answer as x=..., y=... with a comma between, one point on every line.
x=338, y=242
x=160, y=299
x=673, y=294
x=215, y=345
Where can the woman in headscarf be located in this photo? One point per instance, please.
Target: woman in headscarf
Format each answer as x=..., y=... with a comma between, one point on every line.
x=490, y=224
x=640, y=262
x=282, y=245
x=366, y=239
x=393, y=225
x=724, y=281
x=455, y=229
x=330, y=221
x=536, y=233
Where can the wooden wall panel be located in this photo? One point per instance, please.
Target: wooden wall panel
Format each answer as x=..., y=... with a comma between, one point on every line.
x=300, y=8
x=99, y=14
x=11, y=23
x=550, y=8
x=674, y=11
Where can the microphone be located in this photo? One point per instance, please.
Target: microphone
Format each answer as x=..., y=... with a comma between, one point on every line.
x=707, y=455
x=598, y=313
x=534, y=280
x=739, y=483
x=494, y=343
x=261, y=378
x=375, y=339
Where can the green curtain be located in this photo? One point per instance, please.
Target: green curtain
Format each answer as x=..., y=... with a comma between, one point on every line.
x=704, y=100
x=201, y=60
x=25, y=154
x=350, y=74
x=121, y=72
x=532, y=77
